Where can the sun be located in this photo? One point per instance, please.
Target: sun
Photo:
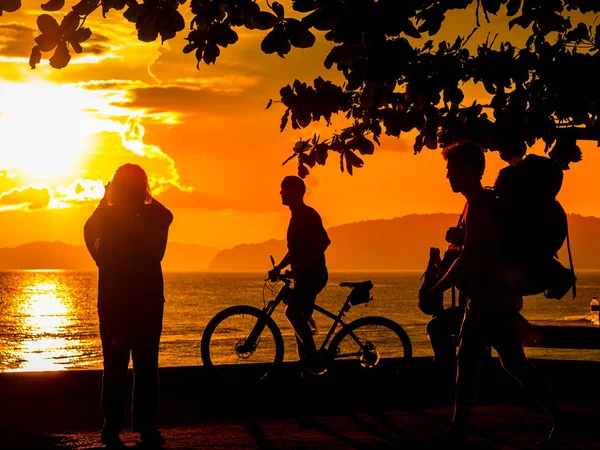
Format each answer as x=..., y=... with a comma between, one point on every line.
x=45, y=129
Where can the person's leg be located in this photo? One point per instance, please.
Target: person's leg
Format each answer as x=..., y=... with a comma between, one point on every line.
x=114, y=379
x=471, y=349
x=509, y=346
x=443, y=333
x=298, y=310
x=145, y=368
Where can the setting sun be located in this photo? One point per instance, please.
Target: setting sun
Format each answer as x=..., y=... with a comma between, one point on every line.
x=44, y=129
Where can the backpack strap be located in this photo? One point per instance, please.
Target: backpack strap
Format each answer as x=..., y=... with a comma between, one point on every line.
x=460, y=222
x=574, y=289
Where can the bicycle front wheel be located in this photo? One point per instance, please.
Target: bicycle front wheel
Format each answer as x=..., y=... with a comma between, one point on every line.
x=372, y=342
x=225, y=345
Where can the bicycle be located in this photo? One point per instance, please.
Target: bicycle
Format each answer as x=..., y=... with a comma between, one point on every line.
x=243, y=334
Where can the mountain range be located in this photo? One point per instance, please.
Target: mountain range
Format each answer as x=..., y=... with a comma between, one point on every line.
x=393, y=244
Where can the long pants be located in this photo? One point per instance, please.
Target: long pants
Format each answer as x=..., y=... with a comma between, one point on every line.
x=136, y=335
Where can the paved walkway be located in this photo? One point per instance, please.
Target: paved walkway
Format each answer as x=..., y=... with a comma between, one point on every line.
x=498, y=426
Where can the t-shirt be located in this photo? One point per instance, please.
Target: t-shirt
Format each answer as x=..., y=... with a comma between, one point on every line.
x=128, y=247
x=306, y=235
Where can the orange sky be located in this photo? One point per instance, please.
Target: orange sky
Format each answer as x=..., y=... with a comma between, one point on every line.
x=204, y=137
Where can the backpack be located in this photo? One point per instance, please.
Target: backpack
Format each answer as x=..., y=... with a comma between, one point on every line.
x=534, y=227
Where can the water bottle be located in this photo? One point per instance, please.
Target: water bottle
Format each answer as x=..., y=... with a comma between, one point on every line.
x=595, y=312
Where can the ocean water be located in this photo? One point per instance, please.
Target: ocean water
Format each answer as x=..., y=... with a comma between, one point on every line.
x=48, y=319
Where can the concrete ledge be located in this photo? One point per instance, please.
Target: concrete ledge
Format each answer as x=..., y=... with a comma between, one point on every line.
x=70, y=400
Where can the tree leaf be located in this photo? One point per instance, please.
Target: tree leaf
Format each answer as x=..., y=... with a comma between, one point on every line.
x=61, y=56
x=410, y=30
x=10, y=5
x=353, y=159
x=264, y=20
x=82, y=35
x=148, y=28
x=211, y=52
x=284, y=119
x=76, y=46
x=224, y=35
x=189, y=48
x=47, y=42
x=69, y=23
x=524, y=20
x=36, y=57
x=278, y=10
x=513, y=7
x=53, y=5
x=304, y=5
x=133, y=13
x=302, y=171
x=491, y=6
x=172, y=20
x=276, y=41
x=299, y=35
x=48, y=24
x=85, y=7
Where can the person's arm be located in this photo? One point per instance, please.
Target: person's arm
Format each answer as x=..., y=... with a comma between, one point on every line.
x=275, y=271
x=480, y=228
x=93, y=226
x=162, y=219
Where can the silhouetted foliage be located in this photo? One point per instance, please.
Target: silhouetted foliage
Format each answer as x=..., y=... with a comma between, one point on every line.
x=396, y=79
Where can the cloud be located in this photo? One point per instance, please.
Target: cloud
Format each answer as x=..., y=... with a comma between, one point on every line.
x=79, y=191
x=26, y=197
x=16, y=39
x=133, y=139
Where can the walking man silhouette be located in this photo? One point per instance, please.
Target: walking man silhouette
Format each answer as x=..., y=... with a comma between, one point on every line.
x=492, y=315
x=307, y=241
x=127, y=238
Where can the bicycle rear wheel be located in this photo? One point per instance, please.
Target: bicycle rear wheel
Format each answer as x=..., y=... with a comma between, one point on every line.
x=371, y=344
x=224, y=345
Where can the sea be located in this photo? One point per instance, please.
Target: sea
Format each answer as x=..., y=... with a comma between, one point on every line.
x=49, y=320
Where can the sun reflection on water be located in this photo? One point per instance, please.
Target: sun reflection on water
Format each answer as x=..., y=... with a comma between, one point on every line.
x=45, y=308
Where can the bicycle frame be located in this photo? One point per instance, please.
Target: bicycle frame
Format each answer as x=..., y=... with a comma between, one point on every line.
x=284, y=292
x=268, y=311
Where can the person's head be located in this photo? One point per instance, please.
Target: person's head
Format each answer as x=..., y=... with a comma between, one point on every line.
x=465, y=165
x=129, y=186
x=292, y=190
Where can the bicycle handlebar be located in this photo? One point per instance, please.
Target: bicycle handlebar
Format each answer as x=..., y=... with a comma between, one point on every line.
x=286, y=276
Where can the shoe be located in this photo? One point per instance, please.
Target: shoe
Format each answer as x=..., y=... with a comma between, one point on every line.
x=151, y=439
x=111, y=440
x=453, y=437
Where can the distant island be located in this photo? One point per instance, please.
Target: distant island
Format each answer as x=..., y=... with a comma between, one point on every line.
x=393, y=244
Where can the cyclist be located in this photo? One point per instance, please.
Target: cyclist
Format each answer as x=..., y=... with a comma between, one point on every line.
x=307, y=241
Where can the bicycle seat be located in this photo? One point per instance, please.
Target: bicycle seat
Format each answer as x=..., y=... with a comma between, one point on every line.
x=359, y=284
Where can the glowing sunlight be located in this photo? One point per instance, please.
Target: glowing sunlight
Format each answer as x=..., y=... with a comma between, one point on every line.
x=44, y=129
x=46, y=320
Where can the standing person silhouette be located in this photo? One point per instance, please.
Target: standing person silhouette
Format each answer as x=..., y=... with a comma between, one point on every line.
x=492, y=315
x=127, y=238
x=307, y=241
